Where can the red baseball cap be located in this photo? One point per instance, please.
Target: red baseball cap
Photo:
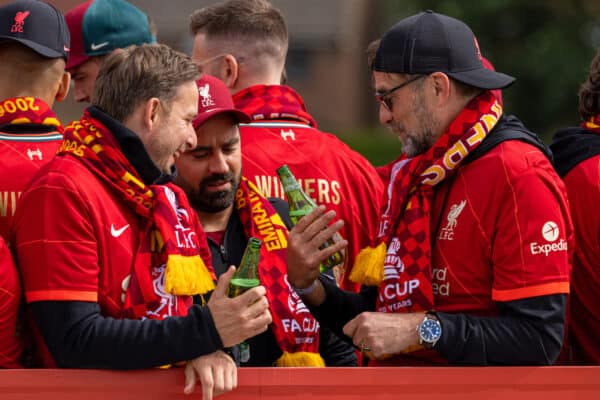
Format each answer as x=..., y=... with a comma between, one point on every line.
x=215, y=99
x=98, y=27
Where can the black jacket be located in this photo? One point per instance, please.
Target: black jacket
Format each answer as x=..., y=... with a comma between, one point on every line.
x=264, y=350
x=572, y=146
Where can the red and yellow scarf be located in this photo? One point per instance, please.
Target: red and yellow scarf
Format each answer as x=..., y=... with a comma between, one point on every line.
x=273, y=102
x=172, y=242
x=592, y=124
x=28, y=110
x=400, y=261
x=295, y=329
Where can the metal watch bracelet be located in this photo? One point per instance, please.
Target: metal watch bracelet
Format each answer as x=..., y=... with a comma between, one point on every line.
x=307, y=290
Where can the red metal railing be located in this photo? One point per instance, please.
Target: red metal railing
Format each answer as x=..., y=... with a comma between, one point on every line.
x=513, y=383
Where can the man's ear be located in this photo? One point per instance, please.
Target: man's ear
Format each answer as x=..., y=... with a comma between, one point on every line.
x=441, y=87
x=63, y=87
x=229, y=70
x=151, y=113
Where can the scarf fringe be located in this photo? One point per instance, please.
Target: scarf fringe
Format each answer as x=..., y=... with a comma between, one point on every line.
x=187, y=276
x=300, y=359
x=368, y=267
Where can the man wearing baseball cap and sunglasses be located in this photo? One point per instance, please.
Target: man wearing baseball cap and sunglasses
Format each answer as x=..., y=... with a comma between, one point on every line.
x=472, y=260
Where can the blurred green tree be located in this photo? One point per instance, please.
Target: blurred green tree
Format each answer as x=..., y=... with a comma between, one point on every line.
x=547, y=45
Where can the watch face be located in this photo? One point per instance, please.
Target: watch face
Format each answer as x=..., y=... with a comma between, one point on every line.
x=430, y=331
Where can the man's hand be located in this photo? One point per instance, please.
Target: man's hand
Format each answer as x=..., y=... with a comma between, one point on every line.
x=217, y=373
x=304, y=240
x=239, y=318
x=382, y=334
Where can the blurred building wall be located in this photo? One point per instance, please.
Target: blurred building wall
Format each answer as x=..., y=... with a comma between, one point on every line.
x=326, y=60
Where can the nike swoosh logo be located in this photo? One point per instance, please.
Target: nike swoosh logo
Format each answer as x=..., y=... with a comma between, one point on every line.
x=98, y=46
x=117, y=232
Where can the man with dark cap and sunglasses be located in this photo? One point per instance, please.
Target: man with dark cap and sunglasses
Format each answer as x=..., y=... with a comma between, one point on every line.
x=472, y=260
x=34, y=47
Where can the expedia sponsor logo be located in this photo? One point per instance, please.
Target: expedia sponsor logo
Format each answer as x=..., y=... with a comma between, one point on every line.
x=550, y=233
x=548, y=248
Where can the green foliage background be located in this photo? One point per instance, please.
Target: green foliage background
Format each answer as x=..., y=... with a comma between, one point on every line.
x=546, y=45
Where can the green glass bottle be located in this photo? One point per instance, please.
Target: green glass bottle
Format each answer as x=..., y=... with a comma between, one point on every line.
x=246, y=275
x=245, y=278
x=300, y=205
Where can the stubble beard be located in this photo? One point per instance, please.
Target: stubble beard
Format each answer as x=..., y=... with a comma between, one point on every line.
x=421, y=140
x=214, y=202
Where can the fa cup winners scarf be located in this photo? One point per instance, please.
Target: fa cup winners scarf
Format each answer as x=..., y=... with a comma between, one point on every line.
x=295, y=329
x=172, y=245
x=400, y=260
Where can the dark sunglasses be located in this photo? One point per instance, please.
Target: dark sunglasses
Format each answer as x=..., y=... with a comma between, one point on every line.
x=385, y=99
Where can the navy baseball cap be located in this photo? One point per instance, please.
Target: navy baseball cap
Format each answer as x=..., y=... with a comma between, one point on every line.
x=430, y=42
x=100, y=26
x=37, y=25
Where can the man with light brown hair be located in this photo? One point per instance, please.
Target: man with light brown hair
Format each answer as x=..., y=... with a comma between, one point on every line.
x=110, y=251
x=244, y=43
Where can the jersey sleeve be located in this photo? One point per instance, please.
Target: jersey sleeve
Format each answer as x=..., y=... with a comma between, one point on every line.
x=532, y=247
x=54, y=242
x=11, y=345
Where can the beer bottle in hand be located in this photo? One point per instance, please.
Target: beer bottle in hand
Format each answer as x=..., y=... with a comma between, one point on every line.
x=245, y=278
x=300, y=205
x=246, y=275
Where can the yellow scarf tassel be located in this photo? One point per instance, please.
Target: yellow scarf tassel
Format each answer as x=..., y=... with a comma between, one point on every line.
x=187, y=276
x=300, y=359
x=368, y=267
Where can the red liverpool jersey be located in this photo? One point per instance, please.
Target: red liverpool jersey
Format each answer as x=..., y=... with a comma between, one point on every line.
x=11, y=344
x=502, y=232
x=282, y=132
x=584, y=196
x=77, y=241
x=29, y=138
